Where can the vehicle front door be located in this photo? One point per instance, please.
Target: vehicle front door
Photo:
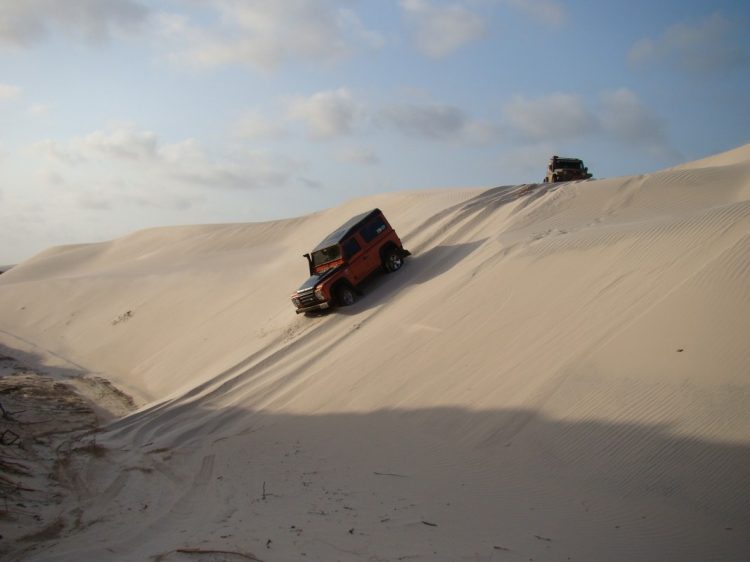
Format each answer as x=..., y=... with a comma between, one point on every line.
x=357, y=261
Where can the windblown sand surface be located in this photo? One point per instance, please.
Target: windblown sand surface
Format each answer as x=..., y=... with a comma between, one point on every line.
x=559, y=372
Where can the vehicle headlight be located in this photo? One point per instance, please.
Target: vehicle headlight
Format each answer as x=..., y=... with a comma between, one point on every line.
x=319, y=293
x=296, y=302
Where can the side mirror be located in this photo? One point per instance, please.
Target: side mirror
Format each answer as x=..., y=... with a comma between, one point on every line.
x=309, y=263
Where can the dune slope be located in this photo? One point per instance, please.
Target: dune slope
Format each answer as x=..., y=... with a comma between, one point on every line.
x=558, y=372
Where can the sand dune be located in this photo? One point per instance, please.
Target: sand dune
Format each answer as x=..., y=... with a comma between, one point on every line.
x=559, y=372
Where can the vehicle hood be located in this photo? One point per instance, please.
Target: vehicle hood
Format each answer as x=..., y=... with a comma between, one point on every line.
x=315, y=279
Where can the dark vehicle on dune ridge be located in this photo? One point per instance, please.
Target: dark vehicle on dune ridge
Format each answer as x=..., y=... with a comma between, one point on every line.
x=349, y=255
x=566, y=169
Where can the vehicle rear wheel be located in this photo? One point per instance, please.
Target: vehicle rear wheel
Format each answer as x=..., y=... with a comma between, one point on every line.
x=392, y=260
x=344, y=295
x=554, y=179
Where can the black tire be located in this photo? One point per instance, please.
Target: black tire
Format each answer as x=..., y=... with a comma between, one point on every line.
x=392, y=260
x=345, y=295
x=545, y=180
x=554, y=179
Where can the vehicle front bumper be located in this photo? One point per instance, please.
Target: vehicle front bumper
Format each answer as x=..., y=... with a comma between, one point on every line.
x=311, y=308
x=567, y=176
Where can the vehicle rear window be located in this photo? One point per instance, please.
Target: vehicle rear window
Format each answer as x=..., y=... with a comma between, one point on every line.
x=370, y=231
x=569, y=164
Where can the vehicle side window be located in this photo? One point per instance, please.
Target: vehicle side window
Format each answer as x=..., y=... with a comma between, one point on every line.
x=372, y=229
x=351, y=247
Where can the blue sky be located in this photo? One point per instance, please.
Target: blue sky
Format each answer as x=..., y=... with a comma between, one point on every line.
x=119, y=115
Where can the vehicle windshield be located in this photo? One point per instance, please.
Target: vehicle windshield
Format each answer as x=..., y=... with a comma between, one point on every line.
x=570, y=164
x=326, y=255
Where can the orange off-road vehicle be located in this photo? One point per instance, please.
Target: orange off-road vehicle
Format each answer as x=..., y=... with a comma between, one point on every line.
x=345, y=258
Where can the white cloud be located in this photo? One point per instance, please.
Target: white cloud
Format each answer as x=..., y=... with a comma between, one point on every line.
x=267, y=33
x=9, y=92
x=107, y=197
x=708, y=47
x=625, y=117
x=50, y=177
x=310, y=183
x=643, y=51
x=550, y=117
x=56, y=151
x=40, y=109
x=481, y=132
x=24, y=22
x=95, y=200
x=253, y=125
x=326, y=114
x=438, y=122
x=525, y=161
x=121, y=142
x=248, y=170
x=165, y=201
x=548, y=12
x=185, y=151
x=358, y=155
x=140, y=157
x=627, y=120
x=441, y=30
x=356, y=32
x=619, y=117
x=433, y=121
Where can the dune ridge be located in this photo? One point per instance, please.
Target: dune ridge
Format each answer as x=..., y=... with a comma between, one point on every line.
x=559, y=372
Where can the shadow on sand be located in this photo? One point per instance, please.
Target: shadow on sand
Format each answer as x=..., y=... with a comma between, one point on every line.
x=495, y=485
x=442, y=483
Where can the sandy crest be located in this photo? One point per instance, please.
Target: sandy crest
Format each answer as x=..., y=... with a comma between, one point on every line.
x=558, y=372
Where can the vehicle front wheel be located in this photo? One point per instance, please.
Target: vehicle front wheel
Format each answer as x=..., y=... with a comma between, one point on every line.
x=392, y=260
x=345, y=295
